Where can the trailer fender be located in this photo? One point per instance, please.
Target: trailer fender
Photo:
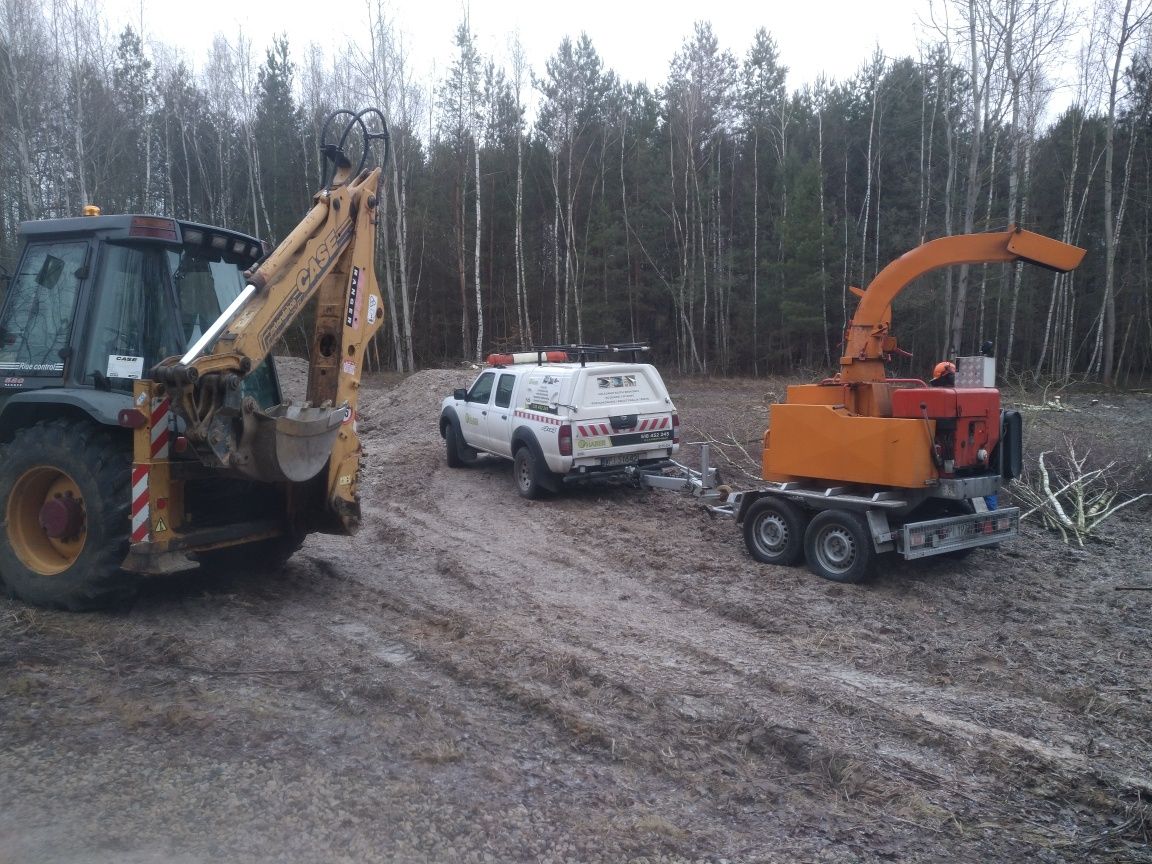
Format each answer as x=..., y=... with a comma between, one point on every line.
x=747, y=499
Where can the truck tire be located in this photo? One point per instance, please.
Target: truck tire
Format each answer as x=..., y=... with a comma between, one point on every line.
x=529, y=473
x=774, y=531
x=838, y=546
x=457, y=453
x=64, y=516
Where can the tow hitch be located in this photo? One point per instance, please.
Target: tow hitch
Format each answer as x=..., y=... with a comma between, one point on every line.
x=703, y=483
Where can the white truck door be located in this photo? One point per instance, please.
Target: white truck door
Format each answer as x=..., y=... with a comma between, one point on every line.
x=499, y=419
x=474, y=411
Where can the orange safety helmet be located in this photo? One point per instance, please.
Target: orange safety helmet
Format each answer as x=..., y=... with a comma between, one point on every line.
x=943, y=368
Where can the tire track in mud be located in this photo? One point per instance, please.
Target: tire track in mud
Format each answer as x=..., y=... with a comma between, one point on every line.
x=542, y=611
x=557, y=643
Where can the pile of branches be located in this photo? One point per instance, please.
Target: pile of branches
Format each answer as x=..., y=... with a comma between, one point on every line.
x=1070, y=497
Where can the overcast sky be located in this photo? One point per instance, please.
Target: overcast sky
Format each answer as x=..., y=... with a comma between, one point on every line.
x=635, y=38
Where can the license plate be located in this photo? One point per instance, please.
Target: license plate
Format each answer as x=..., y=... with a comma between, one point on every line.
x=620, y=459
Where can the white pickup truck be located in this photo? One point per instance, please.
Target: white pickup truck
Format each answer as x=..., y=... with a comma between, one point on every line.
x=562, y=418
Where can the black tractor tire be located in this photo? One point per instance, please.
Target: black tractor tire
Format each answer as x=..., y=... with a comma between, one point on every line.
x=529, y=473
x=457, y=453
x=838, y=546
x=84, y=473
x=774, y=531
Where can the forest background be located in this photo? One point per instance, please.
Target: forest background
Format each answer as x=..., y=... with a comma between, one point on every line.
x=717, y=215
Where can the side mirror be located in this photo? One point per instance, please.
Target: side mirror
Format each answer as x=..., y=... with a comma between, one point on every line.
x=460, y=394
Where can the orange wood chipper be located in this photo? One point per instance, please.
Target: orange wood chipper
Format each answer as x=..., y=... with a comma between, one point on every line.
x=862, y=463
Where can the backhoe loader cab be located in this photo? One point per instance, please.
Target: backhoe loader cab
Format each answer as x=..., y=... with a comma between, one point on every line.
x=94, y=304
x=141, y=421
x=97, y=301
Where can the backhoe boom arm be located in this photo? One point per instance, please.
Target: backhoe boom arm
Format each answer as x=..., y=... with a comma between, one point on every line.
x=330, y=256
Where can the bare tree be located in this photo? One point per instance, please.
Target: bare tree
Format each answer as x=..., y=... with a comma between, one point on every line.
x=1121, y=21
x=23, y=78
x=519, y=78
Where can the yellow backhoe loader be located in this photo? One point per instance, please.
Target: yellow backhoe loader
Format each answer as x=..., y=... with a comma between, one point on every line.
x=142, y=428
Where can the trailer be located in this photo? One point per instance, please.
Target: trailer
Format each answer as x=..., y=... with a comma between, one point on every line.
x=841, y=530
x=862, y=464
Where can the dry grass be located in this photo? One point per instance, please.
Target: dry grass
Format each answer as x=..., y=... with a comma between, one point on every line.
x=654, y=823
x=439, y=752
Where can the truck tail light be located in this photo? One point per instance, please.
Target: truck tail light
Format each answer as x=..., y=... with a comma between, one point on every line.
x=565, y=440
x=675, y=428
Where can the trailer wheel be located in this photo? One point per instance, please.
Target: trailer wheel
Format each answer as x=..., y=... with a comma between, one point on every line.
x=774, y=531
x=838, y=546
x=64, y=496
x=528, y=473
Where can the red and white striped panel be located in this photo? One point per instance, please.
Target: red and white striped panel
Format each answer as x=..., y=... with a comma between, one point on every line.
x=160, y=422
x=654, y=423
x=539, y=418
x=141, y=524
x=588, y=430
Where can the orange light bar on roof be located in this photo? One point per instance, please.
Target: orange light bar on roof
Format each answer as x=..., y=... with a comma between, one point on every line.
x=528, y=357
x=154, y=227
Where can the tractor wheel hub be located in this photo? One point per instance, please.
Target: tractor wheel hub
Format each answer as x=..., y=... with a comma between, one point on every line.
x=62, y=517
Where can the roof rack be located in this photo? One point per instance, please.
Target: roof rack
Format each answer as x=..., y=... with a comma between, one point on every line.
x=583, y=352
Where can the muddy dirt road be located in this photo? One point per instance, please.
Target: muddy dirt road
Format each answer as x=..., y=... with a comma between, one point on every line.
x=604, y=676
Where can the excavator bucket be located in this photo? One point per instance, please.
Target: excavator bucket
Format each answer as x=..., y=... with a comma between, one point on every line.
x=288, y=443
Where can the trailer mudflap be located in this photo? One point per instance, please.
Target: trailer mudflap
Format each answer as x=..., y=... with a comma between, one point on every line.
x=937, y=536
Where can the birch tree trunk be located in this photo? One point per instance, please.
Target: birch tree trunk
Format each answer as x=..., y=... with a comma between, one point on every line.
x=1131, y=22
x=29, y=207
x=476, y=254
x=978, y=85
x=755, y=249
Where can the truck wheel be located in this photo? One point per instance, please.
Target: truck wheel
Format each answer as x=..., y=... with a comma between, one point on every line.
x=64, y=494
x=457, y=453
x=838, y=546
x=528, y=473
x=774, y=531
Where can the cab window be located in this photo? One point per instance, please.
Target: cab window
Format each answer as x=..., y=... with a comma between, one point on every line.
x=504, y=391
x=482, y=390
x=39, y=307
x=132, y=327
x=205, y=286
